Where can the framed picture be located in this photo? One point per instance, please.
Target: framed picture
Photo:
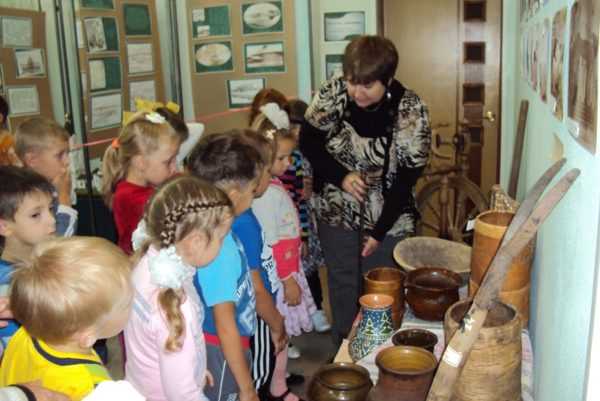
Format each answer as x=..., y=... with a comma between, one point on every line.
x=137, y=20
x=105, y=74
x=101, y=34
x=140, y=58
x=143, y=90
x=242, y=91
x=264, y=57
x=98, y=4
x=17, y=32
x=23, y=100
x=341, y=26
x=213, y=57
x=30, y=63
x=262, y=17
x=211, y=21
x=1, y=80
x=106, y=111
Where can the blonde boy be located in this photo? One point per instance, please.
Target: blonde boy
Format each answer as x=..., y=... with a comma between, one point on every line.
x=73, y=292
x=43, y=146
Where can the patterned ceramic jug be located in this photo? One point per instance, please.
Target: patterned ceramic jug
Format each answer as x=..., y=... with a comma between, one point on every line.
x=375, y=325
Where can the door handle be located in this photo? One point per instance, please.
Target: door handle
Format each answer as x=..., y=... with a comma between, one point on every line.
x=490, y=116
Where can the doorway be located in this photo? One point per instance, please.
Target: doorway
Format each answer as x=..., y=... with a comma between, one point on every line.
x=450, y=55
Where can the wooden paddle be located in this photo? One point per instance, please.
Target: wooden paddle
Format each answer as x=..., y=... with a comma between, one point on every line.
x=522, y=229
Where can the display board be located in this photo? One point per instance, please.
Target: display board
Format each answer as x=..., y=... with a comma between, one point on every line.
x=24, y=65
x=236, y=48
x=119, y=60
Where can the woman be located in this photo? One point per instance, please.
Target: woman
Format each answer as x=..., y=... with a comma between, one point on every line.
x=368, y=139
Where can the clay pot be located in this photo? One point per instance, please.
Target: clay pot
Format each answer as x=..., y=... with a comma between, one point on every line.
x=375, y=325
x=431, y=291
x=405, y=373
x=416, y=338
x=388, y=281
x=339, y=382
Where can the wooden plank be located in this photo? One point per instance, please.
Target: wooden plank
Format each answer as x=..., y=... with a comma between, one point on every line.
x=518, y=150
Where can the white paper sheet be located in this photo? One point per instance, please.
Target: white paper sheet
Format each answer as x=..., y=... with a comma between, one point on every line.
x=97, y=75
x=17, y=32
x=106, y=110
x=23, y=100
x=141, y=89
x=139, y=58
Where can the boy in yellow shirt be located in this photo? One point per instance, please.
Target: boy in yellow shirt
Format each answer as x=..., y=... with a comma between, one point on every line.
x=73, y=292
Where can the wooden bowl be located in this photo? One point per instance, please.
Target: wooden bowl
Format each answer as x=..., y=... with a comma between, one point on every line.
x=431, y=291
x=416, y=338
x=416, y=252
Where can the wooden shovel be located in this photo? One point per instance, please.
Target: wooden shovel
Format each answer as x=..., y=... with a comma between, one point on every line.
x=522, y=229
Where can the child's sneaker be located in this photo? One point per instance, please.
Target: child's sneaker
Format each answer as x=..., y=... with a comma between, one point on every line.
x=320, y=321
x=293, y=352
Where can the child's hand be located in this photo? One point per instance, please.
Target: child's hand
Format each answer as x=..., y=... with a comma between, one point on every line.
x=62, y=183
x=279, y=335
x=43, y=394
x=291, y=291
x=209, y=380
x=5, y=312
x=304, y=249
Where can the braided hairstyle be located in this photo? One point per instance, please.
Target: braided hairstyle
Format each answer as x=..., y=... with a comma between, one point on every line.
x=178, y=207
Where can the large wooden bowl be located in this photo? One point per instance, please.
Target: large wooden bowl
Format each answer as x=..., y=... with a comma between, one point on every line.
x=416, y=252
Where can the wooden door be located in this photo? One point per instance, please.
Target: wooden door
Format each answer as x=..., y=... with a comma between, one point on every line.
x=450, y=56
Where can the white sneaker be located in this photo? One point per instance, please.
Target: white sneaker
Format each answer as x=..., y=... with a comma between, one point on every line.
x=293, y=352
x=320, y=321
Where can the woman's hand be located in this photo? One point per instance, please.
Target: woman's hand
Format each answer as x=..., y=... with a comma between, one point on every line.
x=308, y=188
x=5, y=312
x=369, y=246
x=291, y=292
x=355, y=185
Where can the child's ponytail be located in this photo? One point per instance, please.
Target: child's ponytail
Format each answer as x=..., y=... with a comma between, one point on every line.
x=112, y=172
x=170, y=302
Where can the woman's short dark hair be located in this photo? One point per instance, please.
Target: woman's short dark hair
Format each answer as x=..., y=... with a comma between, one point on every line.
x=370, y=58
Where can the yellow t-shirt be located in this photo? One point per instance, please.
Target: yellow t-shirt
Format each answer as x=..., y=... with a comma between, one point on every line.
x=27, y=359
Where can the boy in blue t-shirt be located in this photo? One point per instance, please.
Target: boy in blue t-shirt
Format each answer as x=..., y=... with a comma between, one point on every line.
x=26, y=219
x=225, y=285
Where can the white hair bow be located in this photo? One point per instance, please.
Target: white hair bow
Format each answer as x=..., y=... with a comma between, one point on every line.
x=276, y=116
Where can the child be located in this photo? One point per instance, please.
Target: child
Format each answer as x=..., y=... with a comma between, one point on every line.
x=43, y=146
x=185, y=223
x=88, y=281
x=141, y=158
x=26, y=219
x=279, y=219
x=225, y=285
x=270, y=337
x=298, y=180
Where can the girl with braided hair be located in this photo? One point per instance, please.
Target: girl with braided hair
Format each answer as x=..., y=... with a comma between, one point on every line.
x=183, y=229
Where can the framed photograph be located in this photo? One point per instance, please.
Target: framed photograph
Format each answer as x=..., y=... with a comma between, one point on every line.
x=264, y=57
x=140, y=58
x=101, y=34
x=211, y=21
x=557, y=64
x=341, y=26
x=23, y=100
x=17, y=32
x=213, y=57
x=98, y=4
x=242, y=91
x=105, y=74
x=106, y=111
x=30, y=63
x=137, y=20
x=141, y=90
x=333, y=64
x=262, y=17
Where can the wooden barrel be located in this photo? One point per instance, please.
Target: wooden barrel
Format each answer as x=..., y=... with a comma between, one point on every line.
x=519, y=299
x=388, y=281
x=490, y=227
x=493, y=370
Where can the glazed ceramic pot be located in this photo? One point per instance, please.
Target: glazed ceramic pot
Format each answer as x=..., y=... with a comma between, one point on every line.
x=431, y=291
x=405, y=373
x=416, y=338
x=339, y=382
x=375, y=325
x=388, y=281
